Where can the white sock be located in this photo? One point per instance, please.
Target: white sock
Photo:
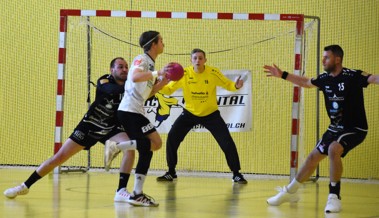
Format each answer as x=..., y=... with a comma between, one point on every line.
x=293, y=186
x=127, y=145
x=139, y=180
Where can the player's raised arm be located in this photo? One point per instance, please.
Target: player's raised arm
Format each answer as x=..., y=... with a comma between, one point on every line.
x=373, y=79
x=140, y=75
x=275, y=71
x=160, y=83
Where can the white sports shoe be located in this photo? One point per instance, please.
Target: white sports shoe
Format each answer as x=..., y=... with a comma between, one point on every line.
x=110, y=153
x=18, y=190
x=333, y=205
x=282, y=197
x=122, y=195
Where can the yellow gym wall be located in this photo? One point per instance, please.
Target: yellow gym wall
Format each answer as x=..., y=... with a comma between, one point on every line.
x=29, y=42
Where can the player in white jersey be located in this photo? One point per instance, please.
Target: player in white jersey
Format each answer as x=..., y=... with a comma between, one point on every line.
x=144, y=83
x=139, y=91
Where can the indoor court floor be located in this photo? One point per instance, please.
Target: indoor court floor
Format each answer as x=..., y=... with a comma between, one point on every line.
x=90, y=195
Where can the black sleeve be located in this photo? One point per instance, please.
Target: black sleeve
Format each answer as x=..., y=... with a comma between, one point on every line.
x=362, y=78
x=107, y=85
x=319, y=80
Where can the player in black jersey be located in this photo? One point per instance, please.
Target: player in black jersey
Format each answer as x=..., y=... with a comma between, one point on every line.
x=343, y=94
x=99, y=124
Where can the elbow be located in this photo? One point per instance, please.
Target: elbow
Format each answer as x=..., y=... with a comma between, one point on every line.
x=307, y=84
x=136, y=79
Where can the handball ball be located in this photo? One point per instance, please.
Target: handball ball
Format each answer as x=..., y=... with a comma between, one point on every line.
x=176, y=72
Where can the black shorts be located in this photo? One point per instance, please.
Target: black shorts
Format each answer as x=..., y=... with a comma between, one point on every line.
x=349, y=139
x=136, y=125
x=87, y=134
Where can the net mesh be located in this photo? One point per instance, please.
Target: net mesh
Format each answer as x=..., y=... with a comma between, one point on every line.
x=29, y=42
x=230, y=44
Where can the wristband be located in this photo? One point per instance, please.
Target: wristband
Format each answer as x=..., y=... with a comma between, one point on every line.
x=284, y=75
x=154, y=74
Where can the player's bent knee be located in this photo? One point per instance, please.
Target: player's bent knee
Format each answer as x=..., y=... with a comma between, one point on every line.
x=156, y=146
x=130, y=153
x=335, y=149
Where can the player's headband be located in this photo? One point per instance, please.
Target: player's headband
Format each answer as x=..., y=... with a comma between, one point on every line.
x=150, y=40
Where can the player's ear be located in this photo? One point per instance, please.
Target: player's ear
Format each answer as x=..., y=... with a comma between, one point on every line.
x=339, y=60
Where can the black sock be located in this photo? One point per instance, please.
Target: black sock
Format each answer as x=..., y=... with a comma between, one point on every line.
x=123, y=181
x=335, y=189
x=236, y=173
x=32, y=179
x=171, y=171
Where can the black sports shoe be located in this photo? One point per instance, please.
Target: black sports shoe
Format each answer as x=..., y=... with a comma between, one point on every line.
x=143, y=200
x=167, y=177
x=239, y=179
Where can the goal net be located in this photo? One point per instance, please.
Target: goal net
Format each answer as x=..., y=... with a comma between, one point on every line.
x=89, y=40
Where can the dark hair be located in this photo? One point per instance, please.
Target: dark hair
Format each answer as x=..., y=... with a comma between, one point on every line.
x=114, y=60
x=336, y=50
x=195, y=50
x=147, y=39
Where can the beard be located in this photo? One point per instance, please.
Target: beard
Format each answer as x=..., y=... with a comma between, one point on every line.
x=329, y=69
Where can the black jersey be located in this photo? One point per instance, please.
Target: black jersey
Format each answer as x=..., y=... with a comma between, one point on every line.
x=343, y=96
x=102, y=112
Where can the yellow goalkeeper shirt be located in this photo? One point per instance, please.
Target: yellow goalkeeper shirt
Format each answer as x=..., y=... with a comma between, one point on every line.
x=199, y=89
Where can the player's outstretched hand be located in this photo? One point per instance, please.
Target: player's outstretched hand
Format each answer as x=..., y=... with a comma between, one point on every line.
x=162, y=72
x=273, y=71
x=162, y=80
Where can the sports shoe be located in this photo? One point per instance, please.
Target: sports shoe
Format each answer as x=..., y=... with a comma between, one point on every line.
x=122, y=195
x=167, y=177
x=282, y=196
x=333, y=205
x=142, y=200
x=110, y=153
x=18, y=190
x=239, y=179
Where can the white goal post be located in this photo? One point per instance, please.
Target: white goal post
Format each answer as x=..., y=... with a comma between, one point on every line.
x=298, y=58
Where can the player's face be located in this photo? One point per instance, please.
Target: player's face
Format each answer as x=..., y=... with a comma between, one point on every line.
x=329, y=61
x=198, y=60
x=160, y=45
x=120, y=70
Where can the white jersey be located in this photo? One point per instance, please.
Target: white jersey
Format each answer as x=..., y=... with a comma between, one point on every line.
x=136, y=93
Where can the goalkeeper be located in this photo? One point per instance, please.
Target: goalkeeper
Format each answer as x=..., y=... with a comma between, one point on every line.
x=199, y=85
